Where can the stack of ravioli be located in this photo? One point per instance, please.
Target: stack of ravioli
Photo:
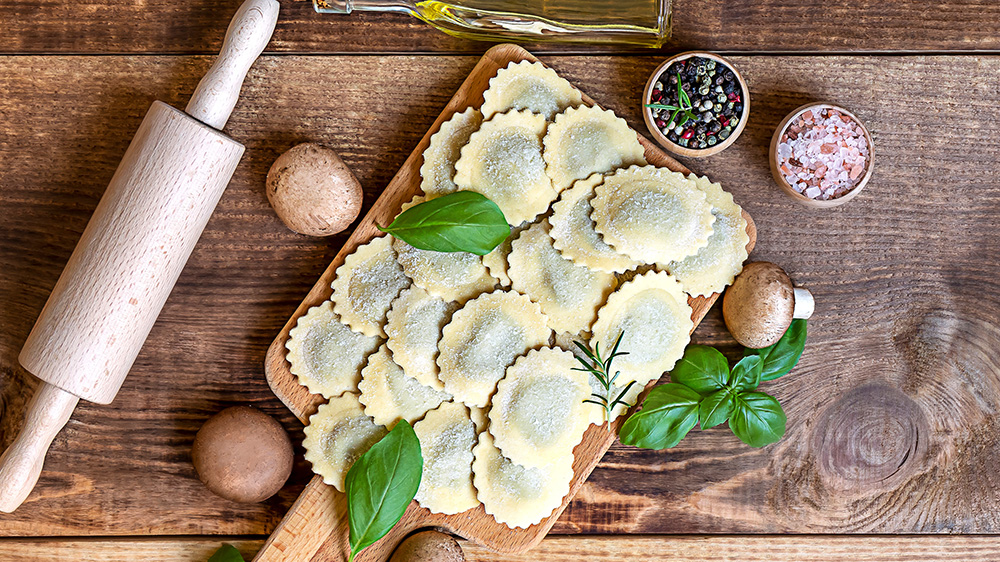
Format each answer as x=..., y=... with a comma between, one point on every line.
x=477, y=352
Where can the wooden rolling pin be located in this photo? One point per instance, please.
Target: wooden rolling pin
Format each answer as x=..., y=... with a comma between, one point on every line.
x=132, y=251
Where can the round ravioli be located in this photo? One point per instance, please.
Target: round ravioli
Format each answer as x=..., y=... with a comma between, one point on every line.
x=586, y=140
x=366, y=284
x=447, y=436
x=515, y=495
x=538, y=414
x=496, y=261
x=529, y=86
x=437, y=173
x=652, y=214
x=719, y=262
x=483, y=339
x=325, y=354
x=503, y=161
x=337, y=434
x=414, y=328
x=569, y=294
x=573, y=231
x=452, y=276
x=388, y=395
x=652, y=316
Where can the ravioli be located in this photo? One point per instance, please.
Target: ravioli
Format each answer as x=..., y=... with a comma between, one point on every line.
x=573, y=231
x=452, y=276
x=496, y=261
x=652, y=214
x=337, y=435
x=447, y=436
x=586, y=140
x=388, y=395
x=538, y=415
x=366, y=284
x=503, y=161
x=569, y=294
x=529, y=86
x=437, y=173
x=718, y=263
x=515, y=495
x=325, y=354
x=483, y=339
x=653, y=318
x=414, y=328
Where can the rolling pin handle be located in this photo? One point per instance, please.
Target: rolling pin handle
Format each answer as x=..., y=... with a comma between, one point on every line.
x=214, y=98
x=21, y=463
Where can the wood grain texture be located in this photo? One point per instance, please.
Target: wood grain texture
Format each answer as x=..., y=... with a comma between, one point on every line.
x=475, y=525
x=197, y=27
x=905, y=278
x=612, y=548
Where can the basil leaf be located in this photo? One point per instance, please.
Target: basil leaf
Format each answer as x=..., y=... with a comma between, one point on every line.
x=715, y=408
x=746, y=374
x=463, y=221
x=381, y=485
x=226, y=553
x=758, y=419
x=668, y=414
x=780, y=358
x=703, y=369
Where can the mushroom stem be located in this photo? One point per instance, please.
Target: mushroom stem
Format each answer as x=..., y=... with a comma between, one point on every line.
x=804, y=304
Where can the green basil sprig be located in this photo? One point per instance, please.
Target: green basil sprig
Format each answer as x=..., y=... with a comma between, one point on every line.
x=381, y=485
x=463, y=221
x=669, y=412
x=226, y=553
x=705, y=391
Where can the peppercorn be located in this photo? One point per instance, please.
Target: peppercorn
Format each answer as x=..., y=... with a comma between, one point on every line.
x=713, y=96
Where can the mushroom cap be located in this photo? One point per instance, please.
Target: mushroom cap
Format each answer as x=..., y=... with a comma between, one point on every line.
x=242, y=454
x=313, y=191
x=758, y=306
x=428, y=545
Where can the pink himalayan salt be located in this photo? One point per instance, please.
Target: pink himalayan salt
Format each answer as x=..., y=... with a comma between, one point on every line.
x=823, y=154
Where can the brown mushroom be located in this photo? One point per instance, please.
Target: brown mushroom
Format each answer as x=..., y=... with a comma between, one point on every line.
x=313, y=191
x=761, y=304
x=428, y=546
x=242, y=454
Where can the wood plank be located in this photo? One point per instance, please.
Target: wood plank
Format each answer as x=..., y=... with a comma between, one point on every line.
x=197, y=26
x=476, y=524
x=905, y=276
x=612, y=548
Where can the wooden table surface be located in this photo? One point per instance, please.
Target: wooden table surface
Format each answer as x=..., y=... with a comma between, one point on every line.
x=893, y=442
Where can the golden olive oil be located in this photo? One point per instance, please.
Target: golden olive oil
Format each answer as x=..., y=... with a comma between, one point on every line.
x=637, y=22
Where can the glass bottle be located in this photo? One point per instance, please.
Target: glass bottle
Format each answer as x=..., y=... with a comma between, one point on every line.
x=636, y=22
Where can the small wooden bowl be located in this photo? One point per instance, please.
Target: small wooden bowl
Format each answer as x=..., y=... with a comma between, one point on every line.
x=788, y=189
x=647, y=113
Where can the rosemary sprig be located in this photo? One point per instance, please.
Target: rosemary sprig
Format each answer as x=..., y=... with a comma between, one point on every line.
x=683, y=105
x=601, y=369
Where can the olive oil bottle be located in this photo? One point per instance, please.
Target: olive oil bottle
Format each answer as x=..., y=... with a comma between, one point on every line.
x=636, y=22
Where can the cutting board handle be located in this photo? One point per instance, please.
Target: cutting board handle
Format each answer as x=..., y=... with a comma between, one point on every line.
x=21, y=463
x=248, y=34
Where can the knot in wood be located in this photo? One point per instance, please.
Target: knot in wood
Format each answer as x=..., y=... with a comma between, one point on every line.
x=873, y=437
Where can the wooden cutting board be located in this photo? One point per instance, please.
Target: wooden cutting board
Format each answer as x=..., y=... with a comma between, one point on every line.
x=316, y=527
